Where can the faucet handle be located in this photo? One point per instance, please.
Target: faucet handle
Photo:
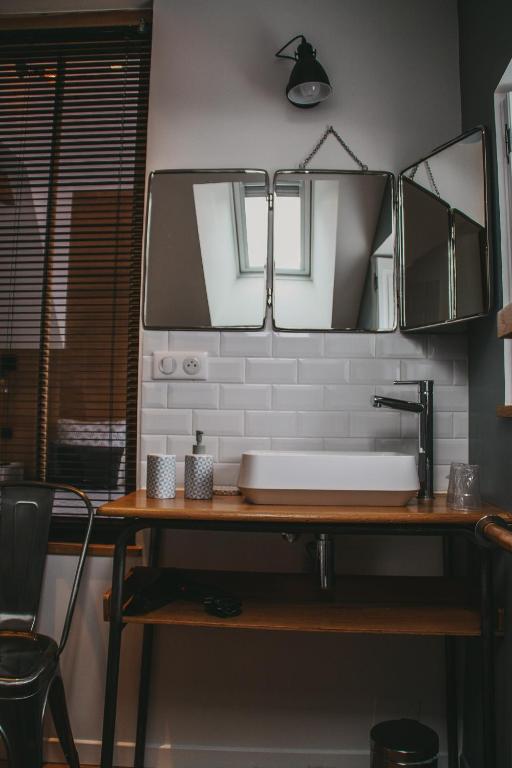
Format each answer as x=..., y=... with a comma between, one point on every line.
x=417, y=382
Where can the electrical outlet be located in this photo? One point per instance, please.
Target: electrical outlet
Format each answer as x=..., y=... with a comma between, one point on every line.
x=180, y=365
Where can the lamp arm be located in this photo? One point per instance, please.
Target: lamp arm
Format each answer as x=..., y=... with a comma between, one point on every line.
x=280, y=54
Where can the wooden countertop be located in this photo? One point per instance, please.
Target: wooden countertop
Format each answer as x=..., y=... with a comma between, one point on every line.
x=233, y=509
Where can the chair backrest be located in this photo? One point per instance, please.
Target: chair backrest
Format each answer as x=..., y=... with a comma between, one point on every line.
x=25, y=515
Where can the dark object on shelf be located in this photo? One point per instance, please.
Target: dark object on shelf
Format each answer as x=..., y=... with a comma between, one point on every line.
x=87, y=466
x=403, y=742
x=166, y=585
x=29, y=662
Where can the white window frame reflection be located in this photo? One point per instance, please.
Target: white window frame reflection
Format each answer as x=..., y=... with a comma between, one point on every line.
x=301, y=192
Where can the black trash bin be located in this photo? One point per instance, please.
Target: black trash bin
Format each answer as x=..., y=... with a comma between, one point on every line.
x=403, y=743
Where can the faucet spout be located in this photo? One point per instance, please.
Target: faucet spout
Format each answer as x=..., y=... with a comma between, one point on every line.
x=425, y=408
x=397, y=405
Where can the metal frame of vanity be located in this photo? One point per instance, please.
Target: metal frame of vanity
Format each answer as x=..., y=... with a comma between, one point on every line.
x=353, y=610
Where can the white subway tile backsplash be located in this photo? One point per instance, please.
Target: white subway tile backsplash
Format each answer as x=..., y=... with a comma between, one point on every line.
x=195, y=341
x=446, y=451
x=193, y=394
x=243, y=344
x=323, y=371
x=443, y=424
x=439, y=370
x=297, y=397
x=349, y=444
x=349, y=345
x=303, y=391
x=448, y=347
x=374, y=371
x=147, y=369
x=226, y=474
x=297, y=444
x=245, y=396
x=460, y=372
x=180, y=445
x=323, y=424
x=348, y=397
x=219, y=422
x=271, y=423
x=298, y=344
x=152, y=444
x=376, y=423
x=397, y=445
x=154, y=395
x=163, y=421
x=225, y=369
x=450, y=399
x=231, y=448
x=460, y=425
x=154, y=341
x=399, y=345
x=262, y=371
x=441, y=475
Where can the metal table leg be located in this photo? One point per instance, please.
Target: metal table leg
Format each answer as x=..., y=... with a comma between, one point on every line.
x=452, y=715
x=488, y=629
x=145, y=666
x=114, y=649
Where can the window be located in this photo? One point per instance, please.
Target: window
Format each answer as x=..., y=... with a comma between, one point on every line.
x=292, y=228
x=73, y=109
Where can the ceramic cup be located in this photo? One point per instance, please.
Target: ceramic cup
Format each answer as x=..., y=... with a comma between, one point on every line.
x=161, y=476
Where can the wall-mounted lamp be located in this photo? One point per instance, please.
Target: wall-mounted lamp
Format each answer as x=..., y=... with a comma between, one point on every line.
x=308, y=84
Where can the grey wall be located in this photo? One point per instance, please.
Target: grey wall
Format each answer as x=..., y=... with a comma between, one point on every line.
x=485, y=51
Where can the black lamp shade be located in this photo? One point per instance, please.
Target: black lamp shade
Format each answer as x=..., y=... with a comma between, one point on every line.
x=308, y=84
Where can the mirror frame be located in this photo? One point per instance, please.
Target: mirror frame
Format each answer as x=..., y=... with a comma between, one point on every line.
x=332, y=172
x=452, y=276
x=267, y=267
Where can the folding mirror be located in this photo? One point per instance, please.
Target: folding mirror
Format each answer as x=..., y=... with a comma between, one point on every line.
x=444, y=253
x=206, y=249
x=333, y=251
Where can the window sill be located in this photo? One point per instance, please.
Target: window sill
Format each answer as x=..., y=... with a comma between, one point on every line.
x=95, y=550
x=505, y=411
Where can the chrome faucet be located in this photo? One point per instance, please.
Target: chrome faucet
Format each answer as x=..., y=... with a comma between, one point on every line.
x=425, y=407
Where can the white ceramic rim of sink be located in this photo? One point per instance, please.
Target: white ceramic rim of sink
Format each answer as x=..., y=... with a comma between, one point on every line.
x=328, y=470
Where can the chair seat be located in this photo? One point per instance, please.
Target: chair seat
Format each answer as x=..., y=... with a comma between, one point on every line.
x=25, y=655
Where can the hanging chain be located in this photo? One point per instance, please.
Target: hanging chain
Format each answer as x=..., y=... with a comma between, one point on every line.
x=330, y=130
x=429, y=174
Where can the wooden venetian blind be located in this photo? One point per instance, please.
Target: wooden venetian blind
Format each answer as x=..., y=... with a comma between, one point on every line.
x=73, y=109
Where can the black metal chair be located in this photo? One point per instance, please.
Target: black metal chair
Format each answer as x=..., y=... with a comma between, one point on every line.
x=29, y=662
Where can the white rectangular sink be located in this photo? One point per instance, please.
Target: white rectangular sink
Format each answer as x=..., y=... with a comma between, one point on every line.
x=328, y=478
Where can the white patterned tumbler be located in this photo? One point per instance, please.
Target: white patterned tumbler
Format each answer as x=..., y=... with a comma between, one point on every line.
x=161, y=476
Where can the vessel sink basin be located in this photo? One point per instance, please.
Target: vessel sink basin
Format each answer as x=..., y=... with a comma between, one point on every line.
x=328, y=478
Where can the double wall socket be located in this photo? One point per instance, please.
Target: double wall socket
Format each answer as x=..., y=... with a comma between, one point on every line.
x=180, y=365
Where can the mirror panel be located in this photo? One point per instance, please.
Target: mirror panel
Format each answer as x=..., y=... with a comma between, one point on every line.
x=444, y=259
x=426, y=275
x=333, y=253
x=206, y=249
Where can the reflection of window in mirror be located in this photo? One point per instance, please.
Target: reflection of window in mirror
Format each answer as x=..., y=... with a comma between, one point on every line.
x=292, y=230
x=250, y=208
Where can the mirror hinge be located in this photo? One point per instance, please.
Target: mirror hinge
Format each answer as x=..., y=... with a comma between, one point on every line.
x=269, y=297
x=270, y=199
x=507, y=142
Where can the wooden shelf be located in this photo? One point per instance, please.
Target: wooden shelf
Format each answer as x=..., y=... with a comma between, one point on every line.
x=505, y=411
x=291, y=602
x=505, y=322
x=94, y=550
